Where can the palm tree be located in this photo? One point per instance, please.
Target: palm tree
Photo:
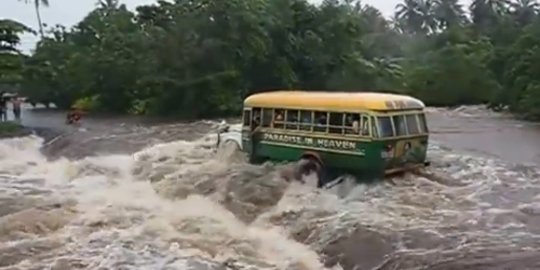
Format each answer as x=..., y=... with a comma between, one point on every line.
x=485, y=13
x=373, y=18
x=38, y=3
x=10, y=35
x=524, y=11
x=449, y=13
x=417, y=15
x=108, y=3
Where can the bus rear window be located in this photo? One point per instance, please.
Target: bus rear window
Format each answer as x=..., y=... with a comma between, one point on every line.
x=385, y=126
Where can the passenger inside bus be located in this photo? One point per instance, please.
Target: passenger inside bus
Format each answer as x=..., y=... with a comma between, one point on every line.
x=278, y=119
x=306, y=120
x=322, y=121
x=279, y=116
x=292, y=116
x=353, y=122
x=256, y=119
x=365, y=127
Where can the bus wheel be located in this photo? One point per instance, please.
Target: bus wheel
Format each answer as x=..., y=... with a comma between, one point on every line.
x=308, y=165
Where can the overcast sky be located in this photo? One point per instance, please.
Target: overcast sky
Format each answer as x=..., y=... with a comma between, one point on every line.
x=69, y=12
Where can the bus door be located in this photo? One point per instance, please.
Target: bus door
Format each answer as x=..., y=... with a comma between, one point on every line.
x=246, y=128
x=252, y=120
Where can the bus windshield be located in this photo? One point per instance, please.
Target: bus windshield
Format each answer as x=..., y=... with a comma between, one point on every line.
x=401, y=125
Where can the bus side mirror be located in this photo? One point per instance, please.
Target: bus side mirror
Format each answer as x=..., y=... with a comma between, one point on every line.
x=224, y=128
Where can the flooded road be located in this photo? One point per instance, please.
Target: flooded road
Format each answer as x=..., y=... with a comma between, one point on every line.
x=121, y=194
x=495, y=135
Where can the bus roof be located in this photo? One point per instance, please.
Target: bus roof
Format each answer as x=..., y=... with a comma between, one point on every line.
x=333, y=101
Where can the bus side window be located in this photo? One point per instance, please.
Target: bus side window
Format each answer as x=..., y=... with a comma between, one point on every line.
x=385, y=126
x=321, y=121
x=267, y=116
x=292, y=119
x=412, y=124
x=422, y=122
x=400, y=125
x=255, y=117
x=306, y=120
x=374, y=132
x=279, y=117
x=352, y=124
x=247, y=118
x=336, y=123
x=365, y=127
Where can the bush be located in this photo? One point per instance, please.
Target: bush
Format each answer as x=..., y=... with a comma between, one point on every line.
x=11, y=129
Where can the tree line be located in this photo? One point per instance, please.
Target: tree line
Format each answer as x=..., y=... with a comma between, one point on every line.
x=200, y=58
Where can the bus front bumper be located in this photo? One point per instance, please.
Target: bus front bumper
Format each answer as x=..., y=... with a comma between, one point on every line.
x=407, y=168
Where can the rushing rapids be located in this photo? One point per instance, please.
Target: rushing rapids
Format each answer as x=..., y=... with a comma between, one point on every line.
x=178, y=204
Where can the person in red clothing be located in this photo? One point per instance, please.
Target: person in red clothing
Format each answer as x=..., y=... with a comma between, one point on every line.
x=74, y=116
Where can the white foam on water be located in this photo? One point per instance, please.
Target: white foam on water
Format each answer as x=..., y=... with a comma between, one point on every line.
x=167, y=206
x=114, y=208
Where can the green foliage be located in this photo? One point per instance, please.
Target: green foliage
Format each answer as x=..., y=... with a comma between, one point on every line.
x=11, y=60
x=87, y=103
x=200, y=58
x=11, y=129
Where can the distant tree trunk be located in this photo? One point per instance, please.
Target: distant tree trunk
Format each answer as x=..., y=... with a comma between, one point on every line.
x=36, y=5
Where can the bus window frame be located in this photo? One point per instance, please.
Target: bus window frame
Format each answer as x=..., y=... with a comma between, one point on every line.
x=337, y=127
x=404, y=120
x=248, y=111
x=316, y=122
x=391, y=114
x=416, y=120
x=263, y=117
x=421, y=117
x=379, y=128
x=370, y=116
x=253, y=110
x=374, y=125
x=363, y=118
x=281, y=123
x=347, y=128
x=302, y=126
x=287, y=123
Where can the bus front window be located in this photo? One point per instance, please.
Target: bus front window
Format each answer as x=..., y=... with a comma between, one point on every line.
x=423, y=124
x=385, y=126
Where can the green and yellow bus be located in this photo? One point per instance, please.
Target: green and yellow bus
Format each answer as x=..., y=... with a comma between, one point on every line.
x=363, y=134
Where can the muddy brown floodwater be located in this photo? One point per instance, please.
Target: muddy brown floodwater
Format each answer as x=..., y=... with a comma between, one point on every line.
x=493, y=135
x=137, y=194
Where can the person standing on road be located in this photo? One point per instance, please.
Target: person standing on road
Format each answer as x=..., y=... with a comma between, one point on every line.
x=16, y=103
x=3, y=107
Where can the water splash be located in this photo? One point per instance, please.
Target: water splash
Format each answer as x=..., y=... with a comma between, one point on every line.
x=180, y=205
